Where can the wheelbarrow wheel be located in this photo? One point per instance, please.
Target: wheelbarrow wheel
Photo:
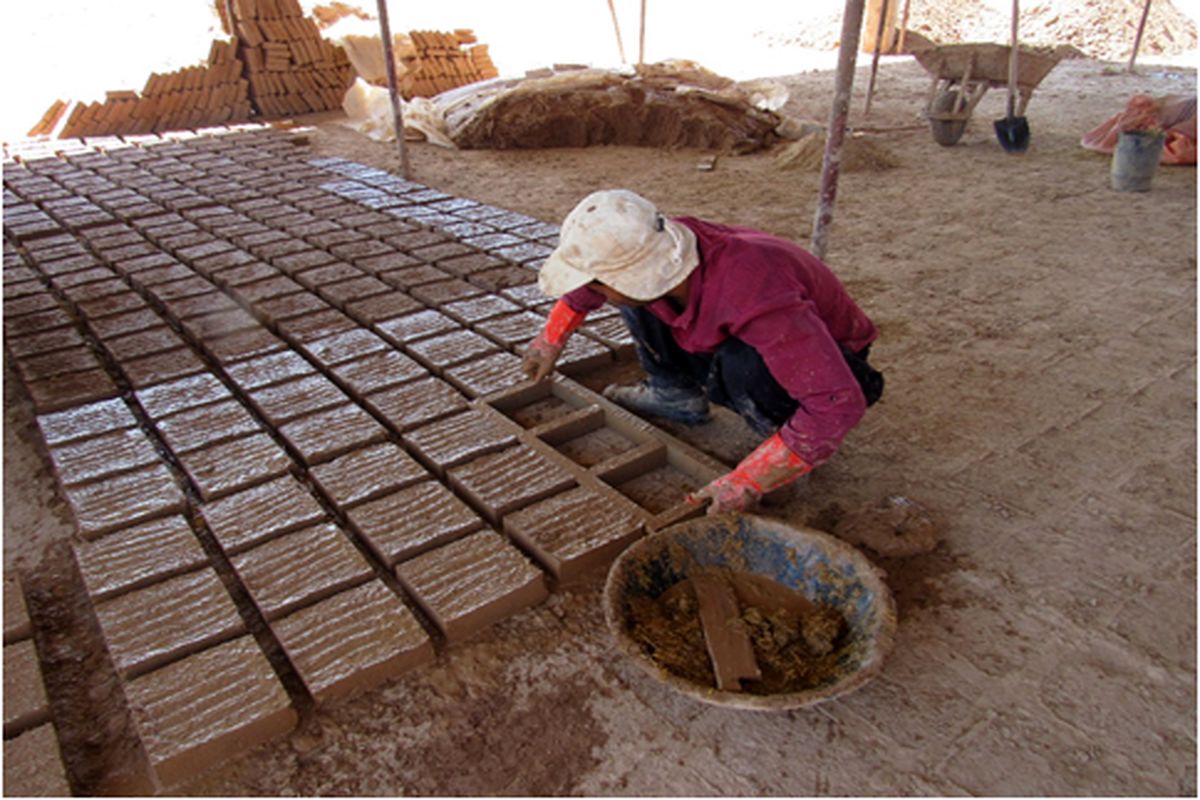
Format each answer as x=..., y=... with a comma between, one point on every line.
x=947, y=132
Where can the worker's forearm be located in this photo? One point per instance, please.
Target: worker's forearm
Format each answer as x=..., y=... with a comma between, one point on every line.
x=561, y=323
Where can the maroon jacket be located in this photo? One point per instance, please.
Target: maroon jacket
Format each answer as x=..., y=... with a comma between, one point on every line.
x=786, y=304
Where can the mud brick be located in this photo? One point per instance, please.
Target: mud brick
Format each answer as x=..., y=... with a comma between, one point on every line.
x=479, y=308
x=33, y=765
x=611, y=331
x=361, y=249
x=82, y=278
x=133, y=249
x=282, y=402
x=182, y=240
x=471, y=583
x=256, y=235
x=25, y=703
x=316, y=326
x=123, y=500
x=285, y=307
x=380, y=307
x=206, y=249
x=353, y=641
x=388, y=262
x=524, y=253
x=311, y=228
x=431, y=254
x=463, y=229
x=359, y=288
x=457, y=439
x=138, y=556
x=308, y=258
x=230, y=466
x=382, y=229
x=536, y=231
x=30, y=303
x=46, y=342
x=376, y=371
x=449, y=349
x=213, y=326
x=184, y=393
x=300, y=568
x=216, y=263
x=127, y=265
x=486, y=375
x=258, y=291
x=409, y=278
x=48, y=365
x=480, y=212
x=70, y=389
x=113, y=325
x=412, y=327
x=503, y=482
x=121, y=301
x=207, y=708
x=454, y=204
x=206, y=425
x=37, y=322
x=582, y=354
x=574, y=533
x=255, y=515
x=495, y=280
x=414, y=404
x=493, y=241
x=344, y=346
x=197, y=305
x=14, y=289
x=60, y=263
x=367, y=473
x=245, y=273
x=445, y=292
x=109, y=453
x=16, y=613
x=465, y=265
x=512, y=330
x=328, y=273
x=159, y=367
x=265, y=370
x=326, y=434
x=410, y=521
x=153, y=276
x=416, y=239
x=84, y=421
x=162, y=622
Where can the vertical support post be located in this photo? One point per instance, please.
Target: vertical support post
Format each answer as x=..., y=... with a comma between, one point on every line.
x=903, y=27
x=1137, y=40
x=836, y=134
x=617, y=27
x=385, y=33
x=883, y=12
x=642, y=36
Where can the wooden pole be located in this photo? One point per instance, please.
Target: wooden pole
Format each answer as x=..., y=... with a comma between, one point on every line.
x=903, y=27
x=617, y=27
x=642, y=36
x=1137, y=40
x=836, y=135
x=883, y=10
x=385, y=32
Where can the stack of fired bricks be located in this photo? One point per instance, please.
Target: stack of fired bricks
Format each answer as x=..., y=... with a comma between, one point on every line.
x=283, y=403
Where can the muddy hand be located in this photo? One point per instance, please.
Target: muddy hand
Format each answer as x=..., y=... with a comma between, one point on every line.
x=539, y=359
x=770, y=466
x=724, y=495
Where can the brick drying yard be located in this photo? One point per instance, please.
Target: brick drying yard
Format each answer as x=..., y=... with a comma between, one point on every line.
x=262, y=409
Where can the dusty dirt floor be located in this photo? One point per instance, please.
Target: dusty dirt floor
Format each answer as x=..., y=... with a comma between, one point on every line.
x=1038, y=334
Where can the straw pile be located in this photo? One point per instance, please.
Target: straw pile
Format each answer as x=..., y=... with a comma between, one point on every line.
x=859, y=154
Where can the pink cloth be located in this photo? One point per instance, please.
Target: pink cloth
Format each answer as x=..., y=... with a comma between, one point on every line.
x=1174, y=114
x=786, y=304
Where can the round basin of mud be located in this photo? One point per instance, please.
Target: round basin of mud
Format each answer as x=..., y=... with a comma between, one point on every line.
x=828, y=574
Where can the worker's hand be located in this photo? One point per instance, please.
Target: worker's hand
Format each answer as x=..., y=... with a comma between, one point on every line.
x=771, y=465
x=539, y=359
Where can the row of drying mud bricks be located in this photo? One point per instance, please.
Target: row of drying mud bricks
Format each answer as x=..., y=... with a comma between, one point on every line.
x=255, y=382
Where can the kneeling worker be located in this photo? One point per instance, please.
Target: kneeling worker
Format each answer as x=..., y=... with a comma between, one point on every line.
x=723, y=314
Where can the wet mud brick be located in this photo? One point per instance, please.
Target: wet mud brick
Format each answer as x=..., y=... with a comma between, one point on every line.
x=455, y=440
x=499, y=483
x=162, y=622
x=285, y=401
x=353, y=641
x=471, y=583
x=327, y=434
x=138, y=556
x=59, y=362
x=143, y=343
x=206, y=425
x=70, y=389
x=16, y=614
x=297, y=569
x=513, y=330
x=235, y=464
x=25, y=703
x=264, y=370
x=46, y=342
x=86, y=460
x=446, y=350
x=181, y=394
x=367, y=473
x=382, y=307
x=162, y=367
x=254, y=515
x=209, y=707
x=582, y=354
x=412, y=327
x=344, y=346
x=414, y=404
x=33, y=765
x=410, y=521
x=377, y=371
x=478, y=309
x=122, y=500
x=315, y=326
x=486, y=375
x=574, y=533
x=87, y=420
x=249, y=343
x=725, y=633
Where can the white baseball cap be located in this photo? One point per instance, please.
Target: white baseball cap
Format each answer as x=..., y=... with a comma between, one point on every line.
x=620, y=239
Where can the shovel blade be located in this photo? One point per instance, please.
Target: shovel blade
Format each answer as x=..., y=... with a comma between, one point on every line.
x=1013, y=134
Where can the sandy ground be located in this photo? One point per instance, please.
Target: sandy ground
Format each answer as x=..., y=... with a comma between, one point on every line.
x=1038, y=334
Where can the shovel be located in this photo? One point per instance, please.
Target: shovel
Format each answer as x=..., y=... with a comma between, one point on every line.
x=1013, y=131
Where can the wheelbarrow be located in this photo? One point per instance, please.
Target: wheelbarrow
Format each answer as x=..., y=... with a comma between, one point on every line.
x=962, y=74
x=821, y=568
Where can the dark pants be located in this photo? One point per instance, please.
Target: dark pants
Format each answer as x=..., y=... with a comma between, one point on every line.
x=734, y=376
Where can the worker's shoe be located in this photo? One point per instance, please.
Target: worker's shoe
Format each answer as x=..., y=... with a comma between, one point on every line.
x=688, y=406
